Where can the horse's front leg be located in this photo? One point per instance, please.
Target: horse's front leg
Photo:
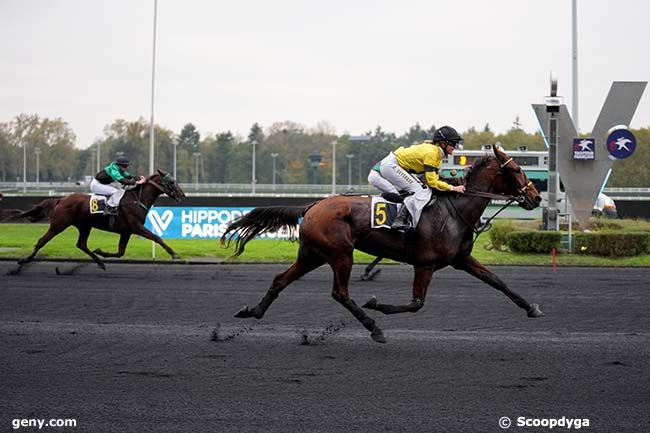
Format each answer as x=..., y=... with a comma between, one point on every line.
x=421, y=282
x=142, y=231
x=476, y=269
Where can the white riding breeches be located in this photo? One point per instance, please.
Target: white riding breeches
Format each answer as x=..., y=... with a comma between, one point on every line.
x=113, y=191
x=403, y=180
x=375, y=179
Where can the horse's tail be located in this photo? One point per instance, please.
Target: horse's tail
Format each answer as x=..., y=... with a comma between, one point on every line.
x=42, y=210
x=261, y=220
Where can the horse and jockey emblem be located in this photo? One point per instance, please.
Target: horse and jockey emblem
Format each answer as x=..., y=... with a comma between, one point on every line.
x=621, y=143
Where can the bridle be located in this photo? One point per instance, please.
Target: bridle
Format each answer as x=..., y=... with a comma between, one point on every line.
x=162, y=189
x=524, y=189
x=520, y=198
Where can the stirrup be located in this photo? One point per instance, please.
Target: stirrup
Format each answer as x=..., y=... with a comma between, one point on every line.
x=110, y=210
x=401, y=226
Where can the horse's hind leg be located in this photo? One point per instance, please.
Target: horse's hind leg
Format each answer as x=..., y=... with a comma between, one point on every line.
x=368, y=274
x=421, y=282
x=52, y=231
x=342, y=266
x=82, y=244
x=476, y=269
x=124, y=241
x=304, y=263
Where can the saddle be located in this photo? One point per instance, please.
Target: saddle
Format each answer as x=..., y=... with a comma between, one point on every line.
x=385, y=208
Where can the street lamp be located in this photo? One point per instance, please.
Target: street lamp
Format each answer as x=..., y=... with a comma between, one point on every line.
x=349, y=156
x=254, y=143
x=24, y=166
x=274, y=156
x=197, y=155
x=98, y=155
x=175, y=144
x=333, y=167
x=37, y=151
x=360, y=139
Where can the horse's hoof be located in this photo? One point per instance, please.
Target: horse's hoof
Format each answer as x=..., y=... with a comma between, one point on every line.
x=102, y=266
x=369, y=276
x=244, y=313
x=534, y=311
x=176, y=257
x=372, y=304
x=378, y=336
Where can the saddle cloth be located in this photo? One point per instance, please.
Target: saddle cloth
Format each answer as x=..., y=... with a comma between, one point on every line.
x=97, y=204
x=382, y=212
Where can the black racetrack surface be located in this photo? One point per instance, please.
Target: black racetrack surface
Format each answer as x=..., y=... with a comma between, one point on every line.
x=144, y=348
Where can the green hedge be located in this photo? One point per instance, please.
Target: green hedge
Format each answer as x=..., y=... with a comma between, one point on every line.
x=598, y=244
x=534, y=241
x=612, y=244
x=499, y=232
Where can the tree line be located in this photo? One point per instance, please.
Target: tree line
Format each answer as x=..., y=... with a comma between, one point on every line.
x=301, y=155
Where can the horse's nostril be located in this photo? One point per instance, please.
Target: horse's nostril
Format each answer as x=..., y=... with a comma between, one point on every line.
x=538, y=199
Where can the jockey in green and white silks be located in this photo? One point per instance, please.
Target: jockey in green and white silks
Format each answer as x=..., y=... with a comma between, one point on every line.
x=112, y=182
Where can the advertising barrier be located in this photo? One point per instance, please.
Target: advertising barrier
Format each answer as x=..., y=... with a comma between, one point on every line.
x=198, y=222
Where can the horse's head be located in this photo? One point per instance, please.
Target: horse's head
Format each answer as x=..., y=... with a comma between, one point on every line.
x=502, y=175
x=167, y=184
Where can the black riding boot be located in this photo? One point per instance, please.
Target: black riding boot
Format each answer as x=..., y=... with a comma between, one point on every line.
x=402, y=220
x=110, y=210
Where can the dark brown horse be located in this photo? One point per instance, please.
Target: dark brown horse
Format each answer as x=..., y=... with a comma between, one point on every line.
x=74, y=210
x=334, y=227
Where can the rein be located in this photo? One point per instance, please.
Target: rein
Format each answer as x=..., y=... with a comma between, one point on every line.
x=138, y=197
x=486, y=226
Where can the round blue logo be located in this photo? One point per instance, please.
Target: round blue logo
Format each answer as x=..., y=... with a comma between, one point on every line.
x=621, y=143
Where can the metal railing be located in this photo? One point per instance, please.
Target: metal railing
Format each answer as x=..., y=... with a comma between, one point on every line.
x=244, y=189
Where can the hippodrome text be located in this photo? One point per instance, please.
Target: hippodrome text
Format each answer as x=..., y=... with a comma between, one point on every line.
x=198, y=223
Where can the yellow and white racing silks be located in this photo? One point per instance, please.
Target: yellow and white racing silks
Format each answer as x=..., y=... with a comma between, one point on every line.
x=423, y=158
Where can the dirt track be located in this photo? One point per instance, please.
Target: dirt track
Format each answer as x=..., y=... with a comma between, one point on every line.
x=130, y=350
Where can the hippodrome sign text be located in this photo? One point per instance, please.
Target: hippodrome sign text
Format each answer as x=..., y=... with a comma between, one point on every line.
x=198, y=222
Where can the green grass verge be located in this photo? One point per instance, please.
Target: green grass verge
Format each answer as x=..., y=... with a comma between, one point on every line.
x=17, y=240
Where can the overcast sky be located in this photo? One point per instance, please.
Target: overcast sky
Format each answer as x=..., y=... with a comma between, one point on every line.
x=354, y=64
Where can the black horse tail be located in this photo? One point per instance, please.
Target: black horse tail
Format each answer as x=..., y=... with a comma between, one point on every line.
x=42, y=210
x=261, y=220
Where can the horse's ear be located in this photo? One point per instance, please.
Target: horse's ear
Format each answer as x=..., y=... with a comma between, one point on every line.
x=160, y=172
x=498, y=152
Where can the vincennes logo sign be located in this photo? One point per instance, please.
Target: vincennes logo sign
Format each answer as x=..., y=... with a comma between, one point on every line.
x=159, y=222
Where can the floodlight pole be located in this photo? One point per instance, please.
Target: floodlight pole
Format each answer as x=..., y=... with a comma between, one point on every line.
x=574, y=43
x=151, y=127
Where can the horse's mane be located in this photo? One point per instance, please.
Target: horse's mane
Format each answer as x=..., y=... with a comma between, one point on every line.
x=479, y=163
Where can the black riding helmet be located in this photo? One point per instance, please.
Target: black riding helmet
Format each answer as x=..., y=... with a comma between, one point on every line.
x=447, y=134
x=123, y=160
